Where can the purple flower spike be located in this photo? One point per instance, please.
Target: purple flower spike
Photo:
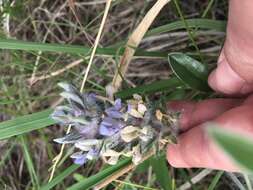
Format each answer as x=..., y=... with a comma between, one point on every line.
x=79, y=158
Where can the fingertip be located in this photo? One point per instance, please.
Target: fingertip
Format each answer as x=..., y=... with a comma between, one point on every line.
x=175, y=158
x=212, y=80
x=225, y=80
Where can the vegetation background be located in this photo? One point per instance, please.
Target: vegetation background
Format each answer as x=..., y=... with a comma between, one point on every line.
x=29, y=74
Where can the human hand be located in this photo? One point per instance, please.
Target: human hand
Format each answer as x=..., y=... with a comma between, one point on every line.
x=195, y=148
x=233, y=76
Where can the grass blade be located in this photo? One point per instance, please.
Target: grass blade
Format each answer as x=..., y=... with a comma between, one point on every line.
x=29, y=163
x=58, y=179
x=72, y=49
x=76, y=49
x=93, y=180
x=161, y=171
x=24, y=124
x=217, y=25
x=215, y=180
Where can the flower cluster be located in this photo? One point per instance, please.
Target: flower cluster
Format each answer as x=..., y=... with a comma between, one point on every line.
x=106, y=129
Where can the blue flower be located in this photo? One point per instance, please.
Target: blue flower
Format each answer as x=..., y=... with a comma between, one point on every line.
x=114, y=111
x=118, y=104
x=92, y=154
x=110, y=126
x=79, y=158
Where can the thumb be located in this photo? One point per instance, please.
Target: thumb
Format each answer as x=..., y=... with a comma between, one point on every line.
x=225, y=80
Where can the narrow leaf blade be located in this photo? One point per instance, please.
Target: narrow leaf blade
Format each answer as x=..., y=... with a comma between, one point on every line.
x=95, y=179
x=24, y=124
x=237, y=146
x=161, y=171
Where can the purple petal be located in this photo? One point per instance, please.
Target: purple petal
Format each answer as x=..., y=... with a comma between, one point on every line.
x=129, y=108
x=110, y=126
x=77, y=113
x=112, y=112
x=93, y=153
x=80, y=161
x=89, y=131
x=117, y=104
x=79, y=158
x=107, y=121
x=107, y=131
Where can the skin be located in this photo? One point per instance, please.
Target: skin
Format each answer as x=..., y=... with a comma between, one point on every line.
x=232, y=77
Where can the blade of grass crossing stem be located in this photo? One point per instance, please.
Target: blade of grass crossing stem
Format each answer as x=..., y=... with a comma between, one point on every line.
x=25, y=124
x=58, y=179
x=95, y=179
x=161, y=171
x=215, y=180
x=29, y=162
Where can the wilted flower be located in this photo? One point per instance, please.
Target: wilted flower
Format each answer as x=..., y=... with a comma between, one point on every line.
x=105, y=129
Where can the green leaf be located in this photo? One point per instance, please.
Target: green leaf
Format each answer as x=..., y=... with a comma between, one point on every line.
x=190, y=71
x=24, y=124
x=159, y=165
x=236, y=145
x=60, y=177
x=150, y=88
x=95, y=179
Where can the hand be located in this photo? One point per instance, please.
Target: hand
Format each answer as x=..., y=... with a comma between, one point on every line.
x=233, y=76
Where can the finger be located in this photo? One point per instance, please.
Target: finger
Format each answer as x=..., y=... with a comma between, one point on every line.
x=195, y=149
x=193, y=114
x=225, y=80
x=249, y=100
